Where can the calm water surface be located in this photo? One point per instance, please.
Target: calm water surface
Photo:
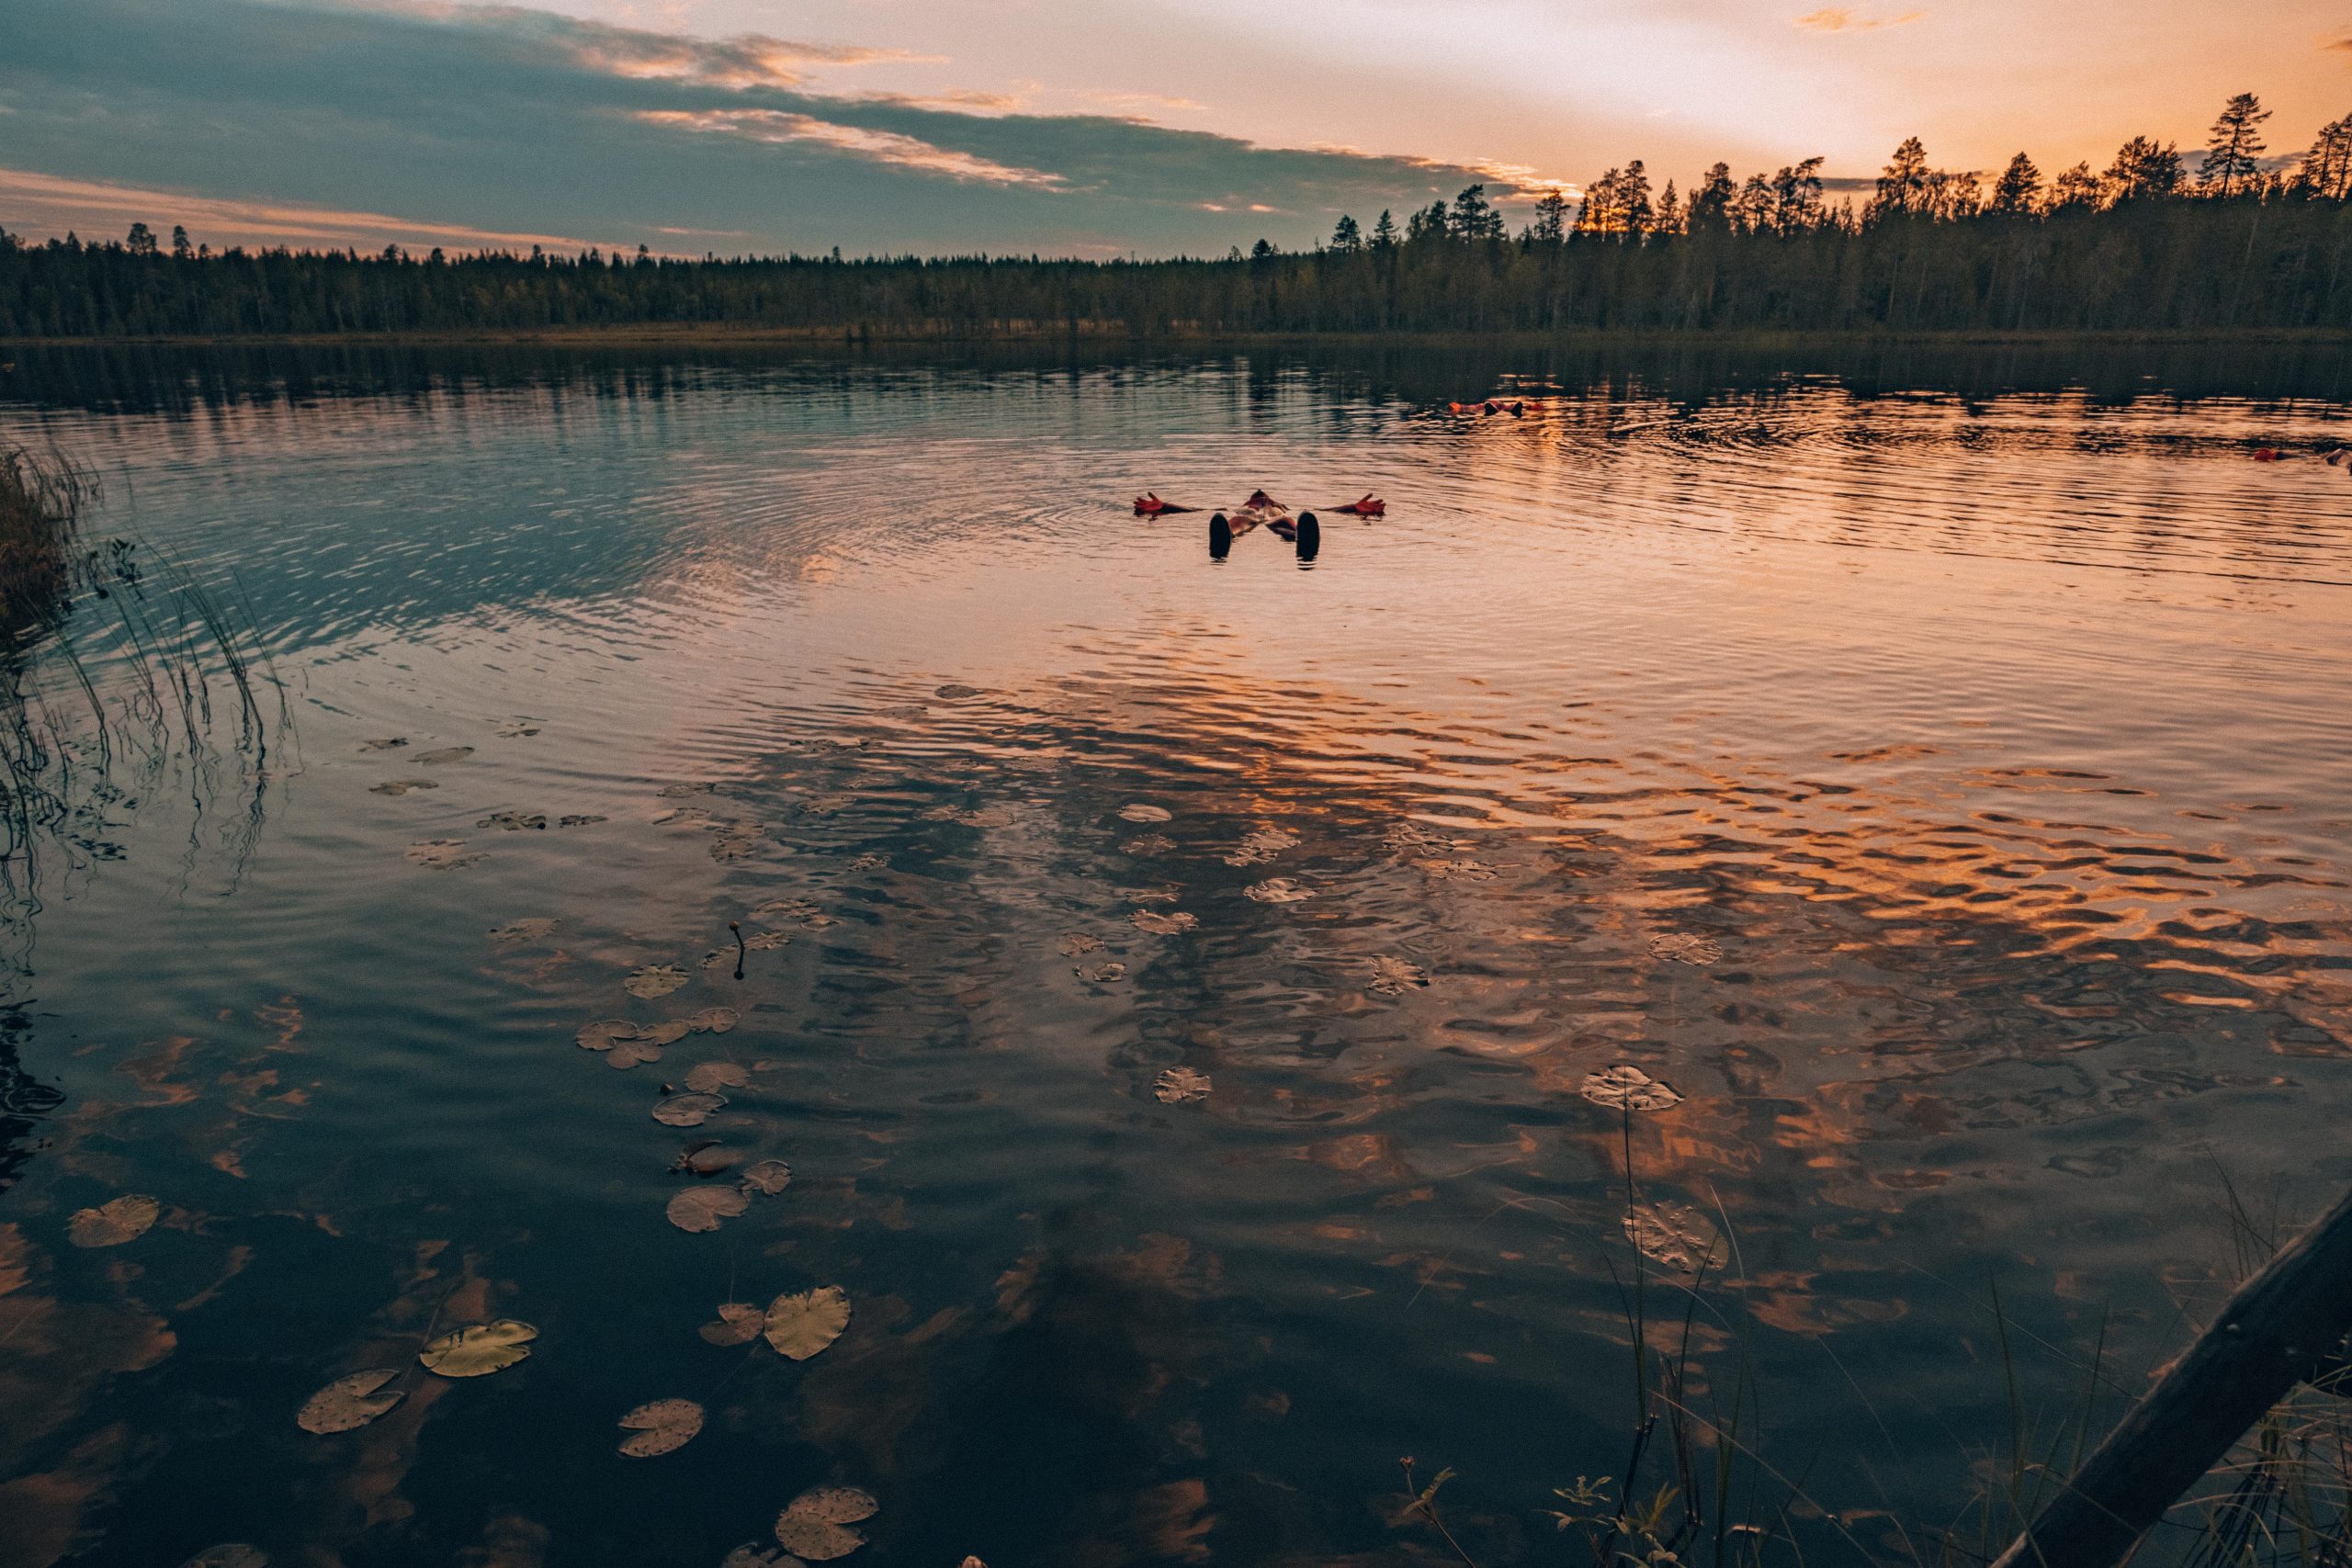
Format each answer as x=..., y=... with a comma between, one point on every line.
x=1938, y=776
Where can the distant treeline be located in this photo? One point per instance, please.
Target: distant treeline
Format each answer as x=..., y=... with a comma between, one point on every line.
x=2143, y=246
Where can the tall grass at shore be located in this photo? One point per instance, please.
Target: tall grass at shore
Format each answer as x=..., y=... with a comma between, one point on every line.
x=1700, y=1483
x=114, y=657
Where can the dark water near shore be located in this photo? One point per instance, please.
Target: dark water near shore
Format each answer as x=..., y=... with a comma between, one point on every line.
x=1983, y=718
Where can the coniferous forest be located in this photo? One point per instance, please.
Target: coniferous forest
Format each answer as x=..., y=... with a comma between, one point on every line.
x=2244, y=242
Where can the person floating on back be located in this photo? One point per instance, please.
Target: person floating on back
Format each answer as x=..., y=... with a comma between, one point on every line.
x=1150, y=506
x=1370, y=506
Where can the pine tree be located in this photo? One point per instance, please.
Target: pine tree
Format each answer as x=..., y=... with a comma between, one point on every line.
x=1796, y=198
x=1384, y=233
x=2078, y=188
x=2019, y=190
x=1597, y=214
x=1711, y=204
x=1669, y=212
x=1902, y=185
x=1473, y=217
x=2233, y=147
x=1551, y=225
x=2326, y=169
x=1346, y=237
x=1634, y=199
x=2144, y=171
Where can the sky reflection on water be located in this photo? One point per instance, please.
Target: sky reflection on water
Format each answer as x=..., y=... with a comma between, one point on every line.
x=1986, y=747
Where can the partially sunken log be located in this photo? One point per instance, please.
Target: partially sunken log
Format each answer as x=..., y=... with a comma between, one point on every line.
x=2280, y=1326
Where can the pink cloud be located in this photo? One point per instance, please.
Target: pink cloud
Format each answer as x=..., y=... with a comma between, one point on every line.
x=48, y=204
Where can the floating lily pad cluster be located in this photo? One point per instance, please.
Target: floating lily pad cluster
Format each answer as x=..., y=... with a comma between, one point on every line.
x=1685, y=947
x=1394, y=976
x=1261, y=845
x=1627, y=1088
x=1178, y=1085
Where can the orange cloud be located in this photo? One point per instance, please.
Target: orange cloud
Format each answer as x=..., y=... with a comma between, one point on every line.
x=1844, y=19
x=747, y=60
x=877, y=146
x=45, y=203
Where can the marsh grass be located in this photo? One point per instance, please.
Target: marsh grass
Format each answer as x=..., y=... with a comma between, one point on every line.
x=119, y=667
x=1700, y=1483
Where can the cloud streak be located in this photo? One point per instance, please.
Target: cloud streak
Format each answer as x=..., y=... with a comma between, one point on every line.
x=29, y=200
x=859, y=142
x=1844, y=20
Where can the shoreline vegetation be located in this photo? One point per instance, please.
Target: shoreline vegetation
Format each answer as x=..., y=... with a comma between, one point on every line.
x=742, y=335
x=2243, y=250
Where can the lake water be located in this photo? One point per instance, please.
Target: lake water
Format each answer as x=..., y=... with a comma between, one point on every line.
x=1932, y=768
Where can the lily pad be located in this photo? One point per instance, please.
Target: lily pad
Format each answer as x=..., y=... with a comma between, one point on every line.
x=400, y=786
x=388, y=743
x=1261, y=845
x=749, y=1555
x=662, y=1427
x=800, y=1326
x=816, y=1524
x=768, y=1178
x=519, y=728
x=580, y=819
x=1685, y=947
x=704, y=1158
x=713, y=1020
x=604, y=1034
x=1276, y=890
x=446, y=754
x=701, y=1208
x=739, y=842
x=514, y=821
x=786, y=909
x=479, y=1348
x=229, y=1554
x=533, y=930
x=1394, y=976
x=1627, y=1088
x=1138, y=812
x=1075, y=942
x=868, y=862
x=1148, y=844
x=350, y=1402
x=114, y=1222
x=1673, y=1234
x=1178, y=1085
x=1412, y=838
x=767, y=941
x=687, y=1109
x=669, y=1032
x=709, y=1077
x=955, y=693
x=632, y=1052
x=720, y=958
x=654, y=980
x=1169, y=924
x=442, y=854
x=738, y=1323
x=1102, y=974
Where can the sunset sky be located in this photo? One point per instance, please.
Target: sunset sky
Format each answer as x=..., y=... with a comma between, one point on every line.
x=1070, y=127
